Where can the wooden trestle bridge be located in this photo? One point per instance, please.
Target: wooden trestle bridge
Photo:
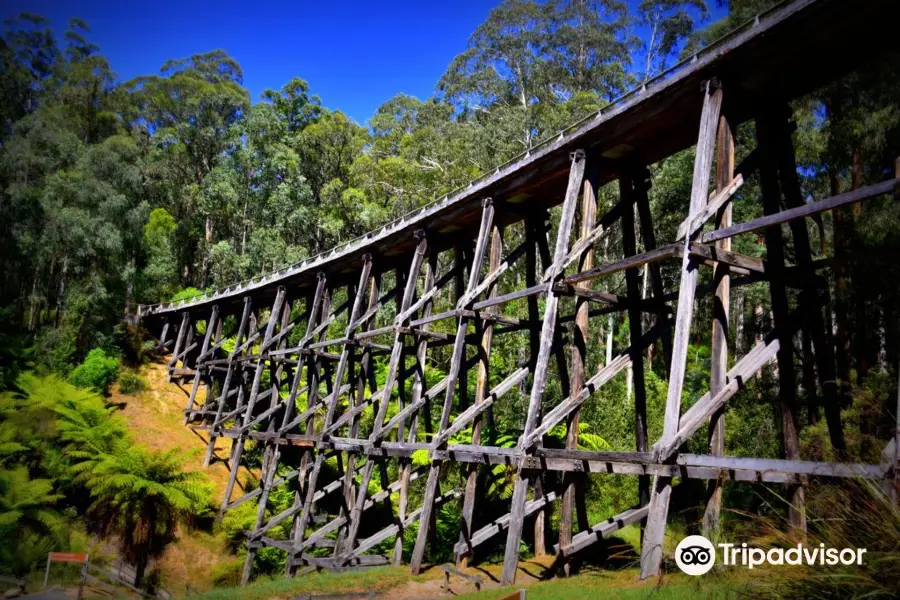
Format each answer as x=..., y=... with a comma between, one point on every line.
x=293, y=369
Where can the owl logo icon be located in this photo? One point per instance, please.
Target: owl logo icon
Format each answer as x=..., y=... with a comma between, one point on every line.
x=695, y=555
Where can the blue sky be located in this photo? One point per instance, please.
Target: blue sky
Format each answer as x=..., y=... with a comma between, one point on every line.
x=354, y=54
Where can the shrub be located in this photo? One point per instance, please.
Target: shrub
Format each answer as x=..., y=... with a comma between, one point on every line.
x=228, y=573
x=131, y=382
x=96, y=372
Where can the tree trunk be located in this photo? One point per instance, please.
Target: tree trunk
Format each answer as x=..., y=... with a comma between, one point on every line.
x=204, y=271
x=140, y=567
x=843, y=227
x=35, y=303
x=62, y=289
x=129, y=285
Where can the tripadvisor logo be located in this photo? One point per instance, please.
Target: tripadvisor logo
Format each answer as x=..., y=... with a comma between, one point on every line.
x=695, y=555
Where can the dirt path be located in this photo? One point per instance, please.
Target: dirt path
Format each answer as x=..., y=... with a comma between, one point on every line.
x=530, y=571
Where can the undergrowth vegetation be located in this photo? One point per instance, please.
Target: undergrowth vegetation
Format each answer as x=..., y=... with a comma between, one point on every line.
x=69, y=467
x=97, y=372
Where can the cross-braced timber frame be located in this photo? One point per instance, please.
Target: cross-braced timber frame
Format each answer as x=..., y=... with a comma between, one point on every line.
x=323, y=366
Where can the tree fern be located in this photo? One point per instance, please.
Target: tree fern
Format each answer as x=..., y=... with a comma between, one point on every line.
x=26, y=509
x=140, y=497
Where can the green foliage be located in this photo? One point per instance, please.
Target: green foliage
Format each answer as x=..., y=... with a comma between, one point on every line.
x=27, y=515
x=377, y=580
x=131, y=382
x=16, y=353
x=63, y=451
x=186, y=294
x=237, y=521
x=97, y=371
x=857, y=514
x=140, y=497
x=228, y=573
x=160, y=273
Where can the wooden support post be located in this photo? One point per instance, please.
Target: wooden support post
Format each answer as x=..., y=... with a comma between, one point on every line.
x=269, y=467
x=271, y=451
x=211, y=325
x=548, y=329
x=401, y=382
x=721, y=311
x=787, y=380
x=281, y=362
x=226, y=388
x=481, y=390
x=459, y=291
x=635, y=329
x=319, y=307
x=536, y=240
x=640, y=187
x=457, y=360
x=163, y=337
x=573, y=483
x=401, y=372
x=655, y=531
x=542, y=517
x=390, y=379
x=810, y=297
x=361, y=292
x=238, y=444
x=418, y=388
x=334, y=395
x=179, y=343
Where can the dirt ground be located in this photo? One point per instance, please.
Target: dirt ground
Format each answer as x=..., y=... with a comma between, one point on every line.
x=530, y=571
x=156, y=418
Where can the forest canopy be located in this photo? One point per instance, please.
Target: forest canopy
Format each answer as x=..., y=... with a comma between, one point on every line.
x=116, y=192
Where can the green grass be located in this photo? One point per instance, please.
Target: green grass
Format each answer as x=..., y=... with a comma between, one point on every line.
x=622, y=585
x=379, y=579
x=614, y=585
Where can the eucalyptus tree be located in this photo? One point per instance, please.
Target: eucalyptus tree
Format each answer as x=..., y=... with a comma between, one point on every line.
x=505, y=70
x=188, y=110
x=532, y=68
x=28, y=54
x=669, y=24
x=590, y=47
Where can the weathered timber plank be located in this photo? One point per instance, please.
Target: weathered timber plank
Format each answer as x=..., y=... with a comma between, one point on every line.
x=539, y=380
x=457, y=360
x=661, y=253
x=602, y=530
x=808, y=209
x=654, y=532
x=501, y=523
x=715, y=203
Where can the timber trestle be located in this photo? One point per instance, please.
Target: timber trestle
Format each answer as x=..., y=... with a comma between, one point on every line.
x=327, y=370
